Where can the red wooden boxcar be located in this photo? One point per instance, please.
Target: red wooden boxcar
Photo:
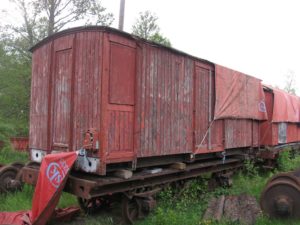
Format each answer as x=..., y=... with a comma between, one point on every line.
x=149, y=104
x=283, y=122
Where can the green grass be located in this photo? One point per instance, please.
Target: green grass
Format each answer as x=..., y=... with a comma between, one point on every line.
x=23, y=200
x=190, y=207
x=17, y=201
x=67, y=200
x=8, y=155
x=180, y=208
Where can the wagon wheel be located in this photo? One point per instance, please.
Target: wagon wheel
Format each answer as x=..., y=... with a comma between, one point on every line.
x=296, y=173
x=18, y=165
x=290, y=177
x=93, y=205
x=18, y=178
x=7, y=179
x=131, y=209
x=32, y=164
x=281, y=199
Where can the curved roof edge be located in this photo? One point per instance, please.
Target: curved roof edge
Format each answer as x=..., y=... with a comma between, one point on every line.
x=108, y=30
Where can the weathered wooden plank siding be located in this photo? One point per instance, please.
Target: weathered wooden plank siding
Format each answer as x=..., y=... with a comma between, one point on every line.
x=39, y=97
x=202, y=107
x=238, y=133
x=87, y=85
x=164, y=103
x=292, y=132
x=72, y=89
x=255, y=133
x=61, y=92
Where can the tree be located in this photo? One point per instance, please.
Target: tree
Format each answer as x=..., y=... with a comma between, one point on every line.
x=146, y=27
x=14, y=87
x=19, y=38
x=290, y=82
x=158, y=38
x=41, y=18
x=56, y=14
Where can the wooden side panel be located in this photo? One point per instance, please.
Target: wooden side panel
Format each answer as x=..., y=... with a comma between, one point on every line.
x=217, y=136
x=208, y=133
x=217, y=128
x=298, y=130
x=60, y=93
x=121, y=93
x=87, y=85
x=187, y=106
x=274, y=140
x=164, y=103
x=292, y=133
x=66, y=84
x=62, y=98
x=122, y=74
x=255, y=133
x=202, y=107
x=38, y=135
x=238, y=133
x=120, y=131
x=268, y=130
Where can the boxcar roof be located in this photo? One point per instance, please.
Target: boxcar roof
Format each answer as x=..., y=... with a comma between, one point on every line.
x=109, y=30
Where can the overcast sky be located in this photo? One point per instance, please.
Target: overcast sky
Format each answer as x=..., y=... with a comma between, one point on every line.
x=258, y=37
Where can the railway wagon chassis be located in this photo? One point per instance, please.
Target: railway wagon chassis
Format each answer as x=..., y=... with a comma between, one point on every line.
x=136, y=194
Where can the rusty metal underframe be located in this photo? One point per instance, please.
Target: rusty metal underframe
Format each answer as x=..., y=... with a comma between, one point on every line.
x=88, y=186
x=272, y=152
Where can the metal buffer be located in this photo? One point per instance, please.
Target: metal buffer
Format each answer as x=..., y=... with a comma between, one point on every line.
x=281, y=196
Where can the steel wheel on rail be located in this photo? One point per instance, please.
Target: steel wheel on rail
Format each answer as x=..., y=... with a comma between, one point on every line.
x=131, y=209
x=7, y=179
x=281, y=199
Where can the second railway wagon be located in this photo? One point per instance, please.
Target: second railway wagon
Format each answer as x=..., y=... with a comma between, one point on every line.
x=134, y=103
